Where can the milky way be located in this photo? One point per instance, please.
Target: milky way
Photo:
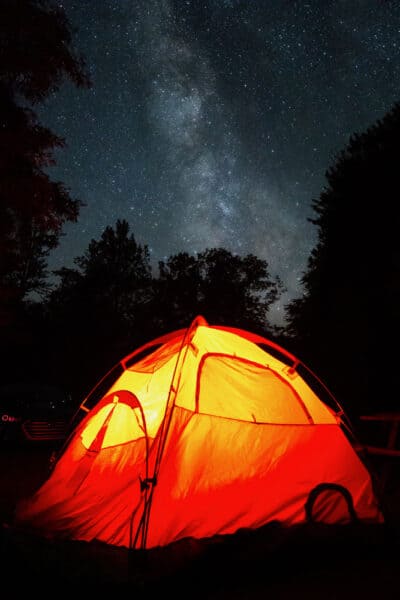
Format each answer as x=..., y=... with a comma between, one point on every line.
x=213, y=123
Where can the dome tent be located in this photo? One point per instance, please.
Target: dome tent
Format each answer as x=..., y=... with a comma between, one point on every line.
x=201, y=432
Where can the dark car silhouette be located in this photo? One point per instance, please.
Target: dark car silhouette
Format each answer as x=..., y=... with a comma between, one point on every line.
x=34, y=413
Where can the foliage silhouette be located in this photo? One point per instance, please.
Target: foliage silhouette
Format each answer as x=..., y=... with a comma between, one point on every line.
x=224, y=287
x=36, y=57
x=348, y=317
x=111, y=302
x=99, y=308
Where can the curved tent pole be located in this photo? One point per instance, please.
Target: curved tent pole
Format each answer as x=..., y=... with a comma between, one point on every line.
x=173, y=389
x=122, y=364
x=144, y=485
x=258, y=339
x=163, y=339
x=341, y=412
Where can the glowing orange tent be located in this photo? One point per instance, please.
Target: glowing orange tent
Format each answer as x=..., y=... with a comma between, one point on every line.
x=203, y=431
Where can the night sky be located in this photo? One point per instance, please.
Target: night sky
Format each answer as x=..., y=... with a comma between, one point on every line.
x=212, y=123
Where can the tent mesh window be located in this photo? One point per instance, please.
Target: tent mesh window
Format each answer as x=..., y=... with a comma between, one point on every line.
x=236, y=388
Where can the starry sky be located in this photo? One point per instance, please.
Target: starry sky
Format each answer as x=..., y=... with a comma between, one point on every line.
x=211, y=123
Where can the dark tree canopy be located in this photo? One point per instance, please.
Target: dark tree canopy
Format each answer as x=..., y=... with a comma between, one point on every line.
x=100, y=307
x=111, y=302
x=33, y=207
x=223, y=287
x=113, y=275
x=349, y=312
x=36, y=56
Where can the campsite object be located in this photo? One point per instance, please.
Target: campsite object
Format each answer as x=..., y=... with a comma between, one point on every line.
x=200, y=432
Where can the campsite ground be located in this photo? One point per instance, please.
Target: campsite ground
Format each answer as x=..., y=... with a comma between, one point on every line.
x=354, y=561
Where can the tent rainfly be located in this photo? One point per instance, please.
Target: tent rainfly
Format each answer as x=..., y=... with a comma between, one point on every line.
x=200, y=432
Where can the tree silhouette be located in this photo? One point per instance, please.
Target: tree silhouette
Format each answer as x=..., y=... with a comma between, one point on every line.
x=36, y=57
x=99, y=309
x=177, y=292
x=111, y=302
x=119, y=269
x=349, y=312
x=223, y=287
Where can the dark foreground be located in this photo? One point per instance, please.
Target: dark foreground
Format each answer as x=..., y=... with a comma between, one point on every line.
x=312, y=561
